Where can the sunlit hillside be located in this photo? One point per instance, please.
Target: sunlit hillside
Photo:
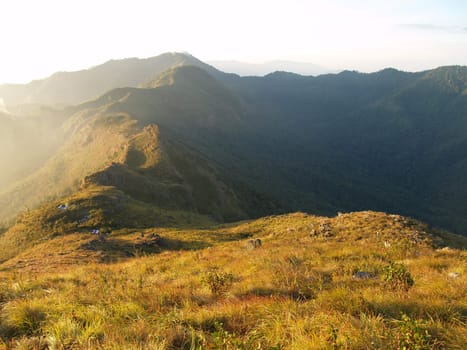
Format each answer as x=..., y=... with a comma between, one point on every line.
x=362, y=280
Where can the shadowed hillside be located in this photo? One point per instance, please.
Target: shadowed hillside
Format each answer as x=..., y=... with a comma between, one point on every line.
x=111, y=150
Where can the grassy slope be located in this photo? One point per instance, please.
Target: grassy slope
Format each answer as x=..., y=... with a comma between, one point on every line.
x=295, y=292
x=111, y=149
x=90, y=148
x=105, y=207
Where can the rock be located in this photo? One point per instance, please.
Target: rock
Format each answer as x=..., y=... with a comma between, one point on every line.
x=153, y=239
x=324, y=230
x=363, y=275
x=253, y=243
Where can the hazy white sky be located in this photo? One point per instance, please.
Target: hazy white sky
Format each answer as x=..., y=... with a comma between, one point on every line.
x=41, y=37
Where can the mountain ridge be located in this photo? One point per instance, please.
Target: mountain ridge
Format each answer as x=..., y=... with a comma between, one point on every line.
x=304, y=141
x=65, y=88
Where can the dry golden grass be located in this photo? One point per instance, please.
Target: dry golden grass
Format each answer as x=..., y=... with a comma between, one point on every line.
x=293, y=292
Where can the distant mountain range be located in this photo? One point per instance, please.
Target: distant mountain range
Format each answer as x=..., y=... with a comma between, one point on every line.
x=174, y=133
x=65, y=88
x=260, y=69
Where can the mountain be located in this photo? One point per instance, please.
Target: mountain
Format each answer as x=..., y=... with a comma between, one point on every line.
x=68, y=88
x=132, y=140
x=260, y=69
x=390, y=141
x=114, y=151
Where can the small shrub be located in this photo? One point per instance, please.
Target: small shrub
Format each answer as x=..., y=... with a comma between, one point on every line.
x=413, y=334
x=397, y=277
x=218, y=282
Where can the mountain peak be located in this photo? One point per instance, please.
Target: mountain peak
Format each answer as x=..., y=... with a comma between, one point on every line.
x=70, y=88
x=451, y=78
x=185, y=74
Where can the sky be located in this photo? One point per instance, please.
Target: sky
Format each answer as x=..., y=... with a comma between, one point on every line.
x=41, y=37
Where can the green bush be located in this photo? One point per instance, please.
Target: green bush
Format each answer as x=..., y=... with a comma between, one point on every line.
x=397, y=277
x=218, y=282
x=413, y=335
